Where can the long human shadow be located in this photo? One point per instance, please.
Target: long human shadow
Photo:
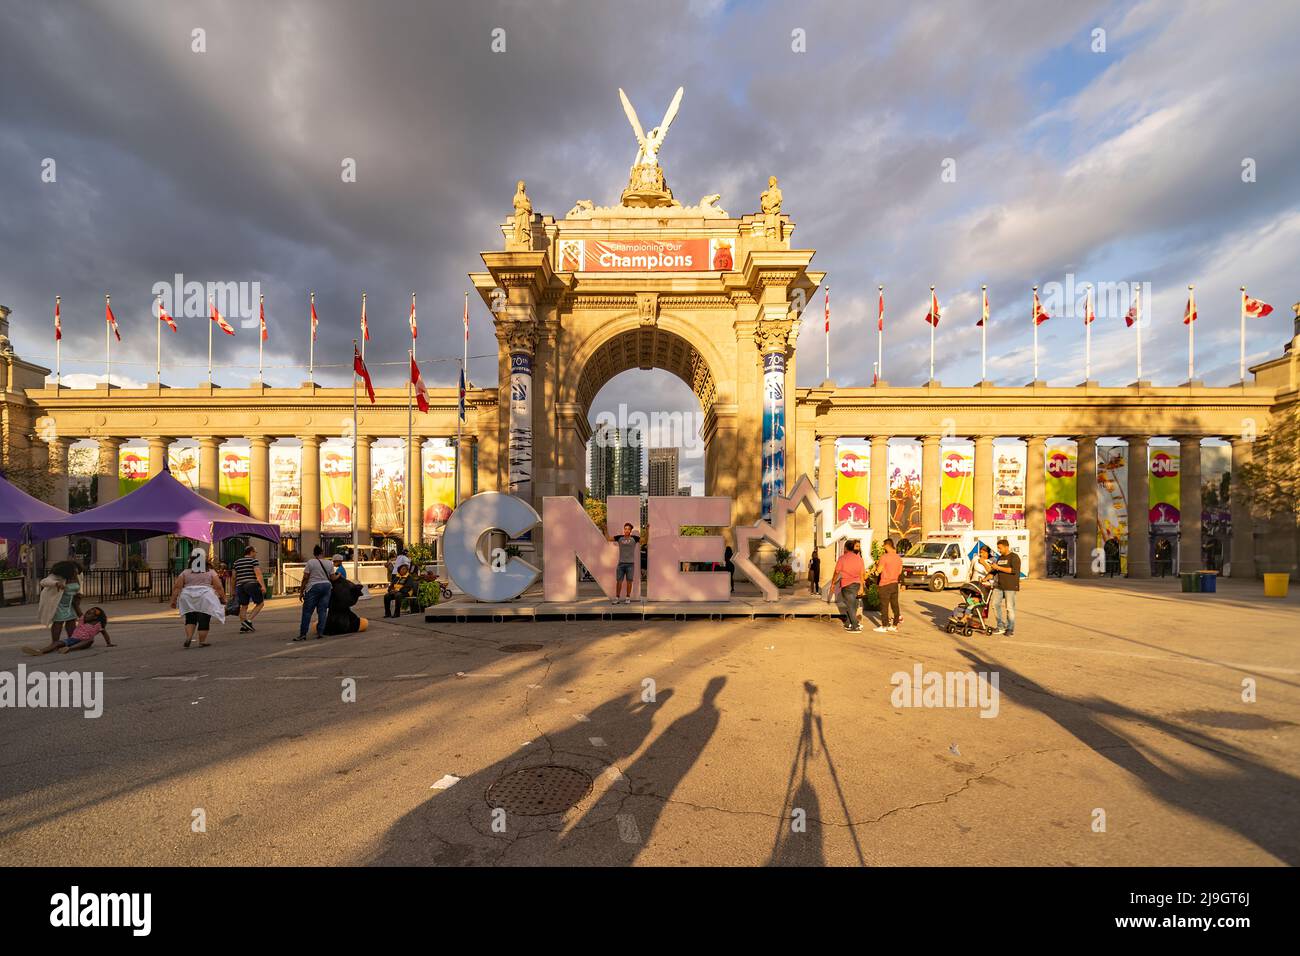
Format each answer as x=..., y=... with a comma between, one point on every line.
x=1257, y=802
x=427, y=835
x=802, y=849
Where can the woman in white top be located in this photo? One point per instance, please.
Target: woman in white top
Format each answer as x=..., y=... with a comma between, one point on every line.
x=199, y=596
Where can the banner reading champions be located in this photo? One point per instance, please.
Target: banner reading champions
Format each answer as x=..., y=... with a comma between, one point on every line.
x=773, y=478
x=957, y=493
x=853, y=483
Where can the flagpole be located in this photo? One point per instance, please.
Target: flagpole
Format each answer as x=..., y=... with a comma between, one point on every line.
x=311, y=348
x=984, y=335
x=108, y=344
x=931, y=334
x=1087, y=338
x=1033, y=317
x=261, y=316
x=58, y=347
x=410, y=526
x=464, y=377
x=365, y=328
x=828, y=333
x=210, y=325
x=158, y=358
x=1137, y=328
x=1243, y=335
x=353, y=469
x=1191, y=336
x=880, y=337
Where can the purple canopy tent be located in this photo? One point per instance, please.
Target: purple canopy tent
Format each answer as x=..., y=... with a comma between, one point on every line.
x=162, y=505
x=18, y=508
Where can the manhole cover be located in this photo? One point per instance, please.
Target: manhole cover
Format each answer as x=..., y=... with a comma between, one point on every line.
x=519, y=648
x=538, y=791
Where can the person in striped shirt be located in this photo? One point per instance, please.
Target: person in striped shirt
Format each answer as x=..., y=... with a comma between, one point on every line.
x=250, y=589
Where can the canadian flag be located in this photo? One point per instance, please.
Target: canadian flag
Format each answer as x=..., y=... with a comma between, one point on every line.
x=1189, y=314
x=1040, y=314
x=163, y=316
x=1131, y=316
x=58, y=324
x=359, y=366
x=1254, y=308
x=365, y=326
x=984, y=311
x=261, y=318
x=933, y=315
x=220, y=319
x=111, y=319
x=414, y=331
x=314, y=321
x=466, y=318
x=421, y=393
x=828, y=310
x=880, y=312
x=1089, y=316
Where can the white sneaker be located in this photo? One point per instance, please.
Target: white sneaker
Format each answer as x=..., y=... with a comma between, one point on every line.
x=615, y=601
x=892, y=629
x=880, y=630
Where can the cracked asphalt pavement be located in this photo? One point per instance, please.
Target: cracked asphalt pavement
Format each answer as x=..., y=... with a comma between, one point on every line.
x=1121, y=737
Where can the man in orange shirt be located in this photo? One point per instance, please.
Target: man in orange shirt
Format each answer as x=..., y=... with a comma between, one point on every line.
x=890, y=566
x=848, y=577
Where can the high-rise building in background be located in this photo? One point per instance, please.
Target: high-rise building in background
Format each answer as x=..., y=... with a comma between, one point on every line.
x=662, y=463
x=614, y=462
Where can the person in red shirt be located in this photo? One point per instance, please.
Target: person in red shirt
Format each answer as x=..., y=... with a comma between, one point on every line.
x=848, y=577
x=890, y=566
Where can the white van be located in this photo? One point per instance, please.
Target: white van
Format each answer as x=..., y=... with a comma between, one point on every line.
x=943, y=558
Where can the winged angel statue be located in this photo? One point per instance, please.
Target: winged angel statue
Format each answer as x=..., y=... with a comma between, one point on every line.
x=647, y=153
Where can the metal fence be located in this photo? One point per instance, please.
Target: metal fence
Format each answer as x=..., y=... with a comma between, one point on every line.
x=116, y=584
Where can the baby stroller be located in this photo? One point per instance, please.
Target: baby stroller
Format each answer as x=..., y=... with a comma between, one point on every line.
x=972, y=614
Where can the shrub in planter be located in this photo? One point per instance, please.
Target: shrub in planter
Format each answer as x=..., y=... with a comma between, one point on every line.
x=428, y=593
x=873, y=598
x=782, y=575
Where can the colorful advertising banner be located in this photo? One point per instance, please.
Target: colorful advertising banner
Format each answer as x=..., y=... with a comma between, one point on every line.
x=956, y=491
x=521, y=425
x=232, y=485
x=646, y=255
x=1163, y=489
x=439, y=485
x=773, y=475
x=387, y=489
x=285, y=488
x=1112, y=500
x=1062, y=489
x=183, y=463
x=132, y=469
x=905, y=492
x=1008, y=487
x=853, y=483
x=336, y=488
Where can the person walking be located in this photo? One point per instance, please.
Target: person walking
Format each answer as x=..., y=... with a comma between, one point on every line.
x=1007, y=567
x=627, y=561
x=199, y=596
x=60, y=599
x=315, y=594
x=890, y=568
x=250, y=589
x=848, y=577
x=814, y=572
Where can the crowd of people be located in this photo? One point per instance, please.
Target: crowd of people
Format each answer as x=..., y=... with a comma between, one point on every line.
x=208, y=592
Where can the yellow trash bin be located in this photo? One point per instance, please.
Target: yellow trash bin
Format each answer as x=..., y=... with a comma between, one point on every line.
x=1275, y=585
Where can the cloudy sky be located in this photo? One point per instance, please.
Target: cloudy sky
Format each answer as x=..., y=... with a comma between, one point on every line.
x=1122, y=164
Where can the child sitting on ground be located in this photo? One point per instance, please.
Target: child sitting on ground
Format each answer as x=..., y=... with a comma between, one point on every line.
x=94, y=622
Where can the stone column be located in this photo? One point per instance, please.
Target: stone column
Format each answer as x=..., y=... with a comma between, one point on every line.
x=58, y=467
x=879, y=492
x=1086, y=506
x=259, y=493
x=362, y=470
x=107, y=555
x=1243, y=522
x=827, y=473
x=521, y=338
x=1139, y=507
x=155, y=549
x=982, y=488
x=309, y=475
x=1189, y=503
x=1035, y=504
x=415, y=490
x=931, y=483
x=467, y=443
x=209, y=467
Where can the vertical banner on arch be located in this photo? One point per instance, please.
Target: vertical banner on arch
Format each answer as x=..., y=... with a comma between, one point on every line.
x=336, y=488
x=1009, y=487
x=232, y=485
x=183, y=463
x=773, y=429
x=1164, y=485
x=285, y=488
x=1061, y=492
x=387, y=489
x=957, y=493
x=521, y=425
x=853, y=483
x=1112, y=497
x=905, y=492
x=132, y=469
x=439, y=477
